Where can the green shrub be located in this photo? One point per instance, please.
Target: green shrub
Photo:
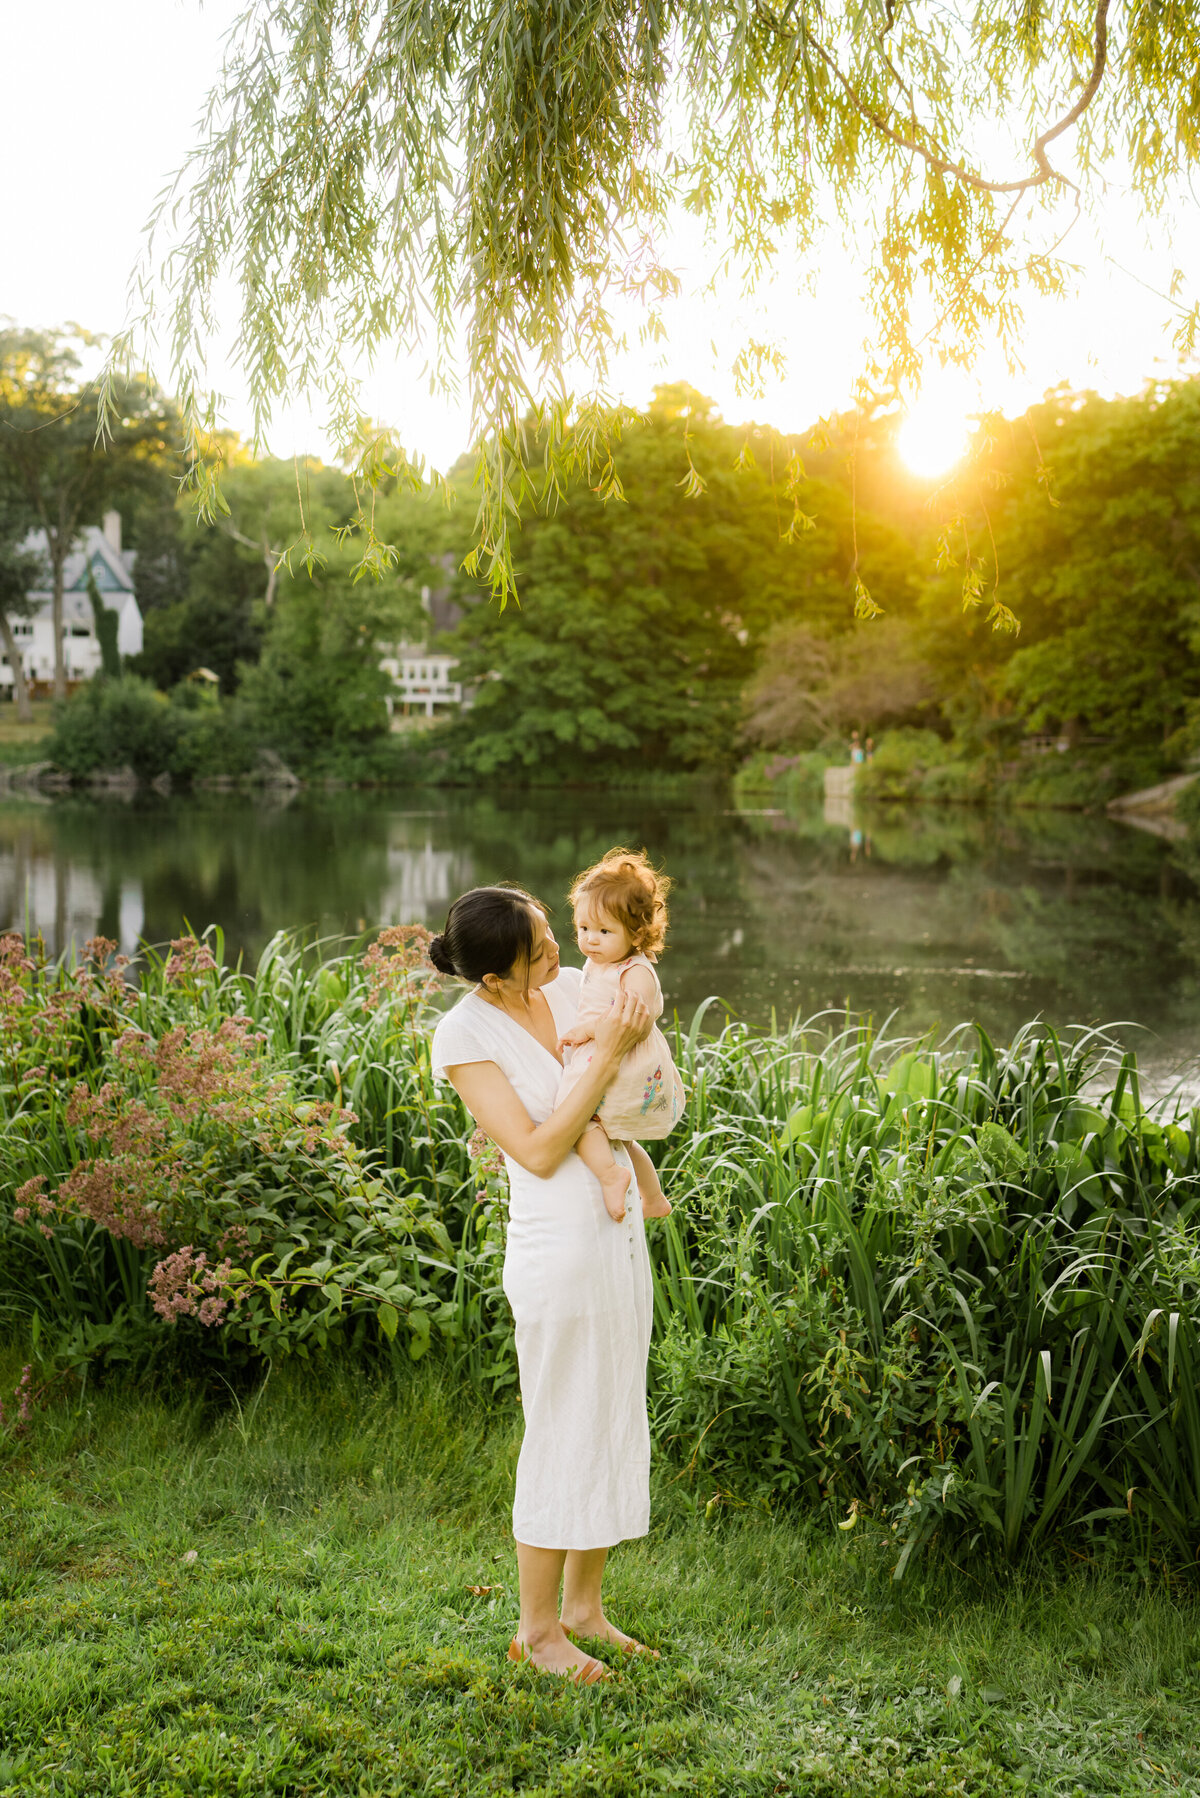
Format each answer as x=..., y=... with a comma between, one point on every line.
x=112, y=724
x=1084, y=779
x=796, y=781
x=168, y=1176
x=954, y=783
x=1187, y=806
x=901, y=761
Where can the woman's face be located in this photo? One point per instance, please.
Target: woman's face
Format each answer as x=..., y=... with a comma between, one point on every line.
x=543, y=956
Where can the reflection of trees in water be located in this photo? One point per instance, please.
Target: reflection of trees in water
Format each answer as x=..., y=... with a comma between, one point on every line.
x=45, y=886
x=252, y=869
x=1098, y=922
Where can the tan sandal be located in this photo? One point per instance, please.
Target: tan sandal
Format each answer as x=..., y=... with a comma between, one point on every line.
x=631, y=1647
x=590, y=1674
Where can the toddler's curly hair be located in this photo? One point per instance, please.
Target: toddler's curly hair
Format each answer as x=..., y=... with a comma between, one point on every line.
x=624, y=885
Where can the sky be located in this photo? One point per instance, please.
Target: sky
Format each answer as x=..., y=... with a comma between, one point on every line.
x=110, y=111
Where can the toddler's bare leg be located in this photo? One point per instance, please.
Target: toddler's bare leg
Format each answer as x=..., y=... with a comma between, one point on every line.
x=595, y=1152
x=654, y=1200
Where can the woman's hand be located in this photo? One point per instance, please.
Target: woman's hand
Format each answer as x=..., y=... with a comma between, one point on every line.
x=623, y=1027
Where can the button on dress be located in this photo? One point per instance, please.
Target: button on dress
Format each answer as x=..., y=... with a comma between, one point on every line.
x=580, y=1290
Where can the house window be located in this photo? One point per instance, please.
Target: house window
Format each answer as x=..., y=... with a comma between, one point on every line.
x=23, y=628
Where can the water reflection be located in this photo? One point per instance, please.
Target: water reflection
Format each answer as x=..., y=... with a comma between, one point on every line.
x=933, y=915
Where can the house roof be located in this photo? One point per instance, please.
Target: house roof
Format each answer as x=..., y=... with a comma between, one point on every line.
x=112, y=568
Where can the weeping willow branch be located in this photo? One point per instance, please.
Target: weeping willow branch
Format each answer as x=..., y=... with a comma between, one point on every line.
x=943, y=165
x=477, y=188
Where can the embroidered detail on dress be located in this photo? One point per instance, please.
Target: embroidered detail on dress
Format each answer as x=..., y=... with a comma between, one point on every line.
x=653, y=1097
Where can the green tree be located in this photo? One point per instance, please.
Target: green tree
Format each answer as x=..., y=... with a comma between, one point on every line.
x=1105, y=578
x=493, y=177
x=107, y=626
x=48, y=452
x=810, y=687
x=639, y=623
x=208, y=589
x=317, y=685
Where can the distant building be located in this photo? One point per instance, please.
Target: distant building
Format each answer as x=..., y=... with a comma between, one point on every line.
x=99, y=553
x=423, y=678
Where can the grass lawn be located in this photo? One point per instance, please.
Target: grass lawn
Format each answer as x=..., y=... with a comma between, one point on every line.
x=311, y=1589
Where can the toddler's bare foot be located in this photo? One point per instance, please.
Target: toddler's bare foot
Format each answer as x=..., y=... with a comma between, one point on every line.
x=656, y=1204
x=614, y=1184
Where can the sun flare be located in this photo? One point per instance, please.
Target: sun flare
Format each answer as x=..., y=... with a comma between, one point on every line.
x=932, y=438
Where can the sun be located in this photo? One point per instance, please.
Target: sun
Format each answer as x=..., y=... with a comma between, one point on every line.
x=933, y=436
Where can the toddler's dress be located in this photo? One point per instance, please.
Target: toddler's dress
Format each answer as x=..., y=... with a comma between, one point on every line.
x=645, y=1099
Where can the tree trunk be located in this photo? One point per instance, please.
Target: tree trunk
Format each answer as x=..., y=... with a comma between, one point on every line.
x=20, y=684
x=57, y=558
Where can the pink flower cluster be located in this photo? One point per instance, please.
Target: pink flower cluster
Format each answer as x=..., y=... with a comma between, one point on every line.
x=114, y=1194
x=211, y=1068
x=184, y=1285
x=189, y=959
x=23, y=1394
x=397, y=955
x=118, y=1190
x=488, y=1160
x=321, y=1123
x=30, y=1197
x=14, y=965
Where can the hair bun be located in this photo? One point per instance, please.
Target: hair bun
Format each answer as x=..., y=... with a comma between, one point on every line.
x=438, y=955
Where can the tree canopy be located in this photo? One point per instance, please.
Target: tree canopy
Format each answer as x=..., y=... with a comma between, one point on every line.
x=480, y=184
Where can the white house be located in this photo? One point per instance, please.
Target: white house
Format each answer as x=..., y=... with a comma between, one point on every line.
x=98, y=552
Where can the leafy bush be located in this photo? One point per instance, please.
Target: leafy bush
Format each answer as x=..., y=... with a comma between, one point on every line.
x=793, y=780
x=167, y=1174
x=1082, y=779
x=902, y=760
x=116, y=724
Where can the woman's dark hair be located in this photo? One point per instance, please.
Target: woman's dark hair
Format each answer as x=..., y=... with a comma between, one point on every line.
x=488, y=931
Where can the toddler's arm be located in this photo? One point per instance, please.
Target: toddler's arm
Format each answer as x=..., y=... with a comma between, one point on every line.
x=640, y=981
x=576, y=1037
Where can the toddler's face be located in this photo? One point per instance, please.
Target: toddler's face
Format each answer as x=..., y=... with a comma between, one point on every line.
x=600, y=937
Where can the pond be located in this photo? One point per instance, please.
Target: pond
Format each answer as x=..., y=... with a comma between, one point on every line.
x=933, y=915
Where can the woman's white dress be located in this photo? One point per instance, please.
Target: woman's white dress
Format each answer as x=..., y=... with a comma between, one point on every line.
x=579, y=1287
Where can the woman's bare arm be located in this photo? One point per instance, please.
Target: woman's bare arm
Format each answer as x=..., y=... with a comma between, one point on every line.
x=541, y=1149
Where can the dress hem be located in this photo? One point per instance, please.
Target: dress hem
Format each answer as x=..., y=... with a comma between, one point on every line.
x=583, y=1547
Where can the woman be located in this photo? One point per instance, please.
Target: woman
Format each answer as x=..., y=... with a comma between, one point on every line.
x=578, y=1283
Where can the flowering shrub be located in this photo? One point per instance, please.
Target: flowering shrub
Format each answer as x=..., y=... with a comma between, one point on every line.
x=171, y=1175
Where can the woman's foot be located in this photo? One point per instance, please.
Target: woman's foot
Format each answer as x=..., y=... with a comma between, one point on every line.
x=656, y=1204
x=600, y=1629
x=558, y=1654
x=614, y=1184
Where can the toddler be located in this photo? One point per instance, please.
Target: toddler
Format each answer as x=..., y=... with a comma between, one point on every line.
x=620, y=908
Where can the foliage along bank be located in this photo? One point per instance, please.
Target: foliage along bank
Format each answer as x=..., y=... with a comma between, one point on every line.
x=705, y=607
x=944, y=1294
